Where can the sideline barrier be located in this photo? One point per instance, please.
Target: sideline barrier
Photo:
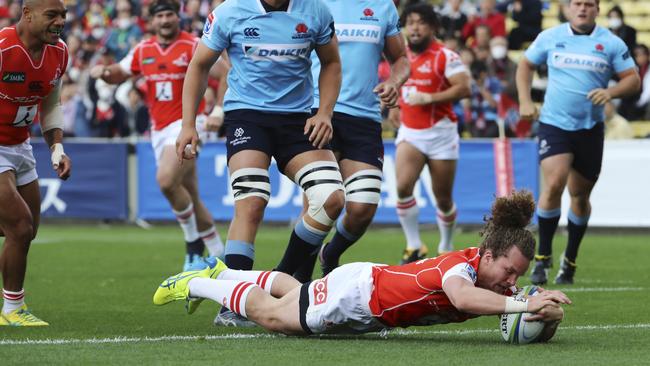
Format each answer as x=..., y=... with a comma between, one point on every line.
x=474, y=188
x=97, y=188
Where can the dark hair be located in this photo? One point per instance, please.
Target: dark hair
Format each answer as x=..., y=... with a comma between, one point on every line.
x=616, y=9
x=643, y=47
x=162, y=5
x=507, y=225
x=424, y=10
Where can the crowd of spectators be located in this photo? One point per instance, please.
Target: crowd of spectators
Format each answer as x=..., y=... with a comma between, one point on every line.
x=103, y=31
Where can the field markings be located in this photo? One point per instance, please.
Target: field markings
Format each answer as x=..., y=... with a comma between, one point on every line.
x=600, y=289
x=397, y=332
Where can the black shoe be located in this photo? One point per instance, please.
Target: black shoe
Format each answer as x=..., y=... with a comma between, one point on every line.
x=413, y=255
x=566, y=272
x=539, y=274
x=325, y=267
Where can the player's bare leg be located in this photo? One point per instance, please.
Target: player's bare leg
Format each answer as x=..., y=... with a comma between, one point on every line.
x=555, y=174
x=409, y=162
x=324, y=192
x=579, y=190
x=19, y=217
x=358, y=215
x=204, y=221
x=170, y=176
x=442, y=174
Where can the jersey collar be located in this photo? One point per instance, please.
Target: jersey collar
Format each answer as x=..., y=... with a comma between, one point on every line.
x=263, y=11
x=571, y=33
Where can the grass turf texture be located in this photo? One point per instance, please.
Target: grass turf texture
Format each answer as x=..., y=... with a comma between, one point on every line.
x=94, y=285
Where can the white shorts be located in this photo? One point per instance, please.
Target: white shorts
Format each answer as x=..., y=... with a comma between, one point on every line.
x=168, y=135
x=339, y=303
x=20, y=159
x=440, y=142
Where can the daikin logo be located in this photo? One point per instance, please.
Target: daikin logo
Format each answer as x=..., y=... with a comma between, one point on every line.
x=358, y=33
x=277, y=52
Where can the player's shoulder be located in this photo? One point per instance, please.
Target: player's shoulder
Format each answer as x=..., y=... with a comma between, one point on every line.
x=187, y=37
x=8, y=37
x=562, y=29
x=607, y=36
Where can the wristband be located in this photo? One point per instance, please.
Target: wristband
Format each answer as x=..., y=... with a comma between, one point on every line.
x=217, y=112
x=57, y=154
x=516, y=306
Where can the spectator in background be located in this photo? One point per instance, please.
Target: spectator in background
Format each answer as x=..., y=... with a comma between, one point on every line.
x=616, y=22
x=616, y=127
x=484, y=102
x=452, y=19
x=488, y=16
x=96, y=20
x=125, y=32
x=642, y=59
x=482, y=36
x=137, y=113
x=528, y=15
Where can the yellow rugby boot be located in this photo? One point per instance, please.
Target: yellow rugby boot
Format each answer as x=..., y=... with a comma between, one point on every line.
x=21, y=317
x=215, y=266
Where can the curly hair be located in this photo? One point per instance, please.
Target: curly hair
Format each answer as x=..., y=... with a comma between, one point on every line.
x=507, y=225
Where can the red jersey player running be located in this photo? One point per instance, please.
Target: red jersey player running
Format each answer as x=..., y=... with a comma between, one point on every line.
x=367, y=297
x=32, y=60
x=162, y=60
x=428, y=134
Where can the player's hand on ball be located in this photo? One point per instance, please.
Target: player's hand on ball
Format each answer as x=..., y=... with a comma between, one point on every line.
x=528, y=111
x=186, y=144
x=546, y=298
x=548, y=314
x=319, y=128
x=599, y=96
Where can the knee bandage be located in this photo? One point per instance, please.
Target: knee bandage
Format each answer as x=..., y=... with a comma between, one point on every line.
x=319, y=180
x=248, y=182
x=363, y=186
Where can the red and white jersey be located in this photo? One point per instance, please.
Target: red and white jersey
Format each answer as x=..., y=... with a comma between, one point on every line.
x=24, y=83
x=164, y=71
x=430, y=71
x=412, y=294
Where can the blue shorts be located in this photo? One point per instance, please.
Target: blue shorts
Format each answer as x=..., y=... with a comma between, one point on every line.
x=357, y=139
x=585, y=145
x=280, y=135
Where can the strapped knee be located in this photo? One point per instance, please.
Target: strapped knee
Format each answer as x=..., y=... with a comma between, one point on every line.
x=319, y=180
x=364, y=186
x=248, y=182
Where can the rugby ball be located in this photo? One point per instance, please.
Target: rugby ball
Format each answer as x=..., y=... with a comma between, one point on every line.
x=513, y=327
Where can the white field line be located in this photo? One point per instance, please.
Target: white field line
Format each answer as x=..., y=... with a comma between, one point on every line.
x=398, y=332
x=600, y=289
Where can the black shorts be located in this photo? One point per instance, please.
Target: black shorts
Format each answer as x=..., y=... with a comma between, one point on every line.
x=280, y=135
x=357, y=139
x=585, y=145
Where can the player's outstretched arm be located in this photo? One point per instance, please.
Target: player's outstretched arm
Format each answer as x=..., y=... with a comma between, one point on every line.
x=524, y=79
x=52, y=127
x=111, y=74
x=400, y=69
x=319, y=127
x=196, y=81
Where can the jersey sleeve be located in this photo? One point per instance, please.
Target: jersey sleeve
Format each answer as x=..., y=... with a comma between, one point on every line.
x=129, y=64
x=66, y=58
x=621, y=58
x=453, y=64
x=393, y=21
x=462, y=270
x=538, y=50
x=325, y=30
x=215, y=31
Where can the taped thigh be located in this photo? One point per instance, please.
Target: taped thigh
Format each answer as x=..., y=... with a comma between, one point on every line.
x=249, y=182
x=363, y=186
x=319, y=180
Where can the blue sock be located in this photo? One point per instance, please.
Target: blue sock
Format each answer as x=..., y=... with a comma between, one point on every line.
x=239, y=255
x=576, y=228
x=341, y=241
x=301, y=251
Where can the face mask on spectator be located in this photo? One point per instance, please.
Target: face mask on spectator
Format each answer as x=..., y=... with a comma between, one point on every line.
x=615, y=23
x=498, y=52
x=123, y=23
x=98, y=32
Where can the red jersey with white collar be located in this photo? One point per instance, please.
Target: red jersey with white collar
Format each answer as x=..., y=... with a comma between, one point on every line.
x=24, y=83
x=164, y=71
x=430, y=71
x=412, y=294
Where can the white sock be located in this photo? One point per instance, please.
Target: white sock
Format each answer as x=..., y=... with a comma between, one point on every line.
x=12, y=300
x=213, y=242
x=187, y=219
x=408, y=213
x=231, y=294
x=446, y=224
x=263, y=279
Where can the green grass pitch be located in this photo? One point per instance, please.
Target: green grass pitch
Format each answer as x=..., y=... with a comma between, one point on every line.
x=94, y=285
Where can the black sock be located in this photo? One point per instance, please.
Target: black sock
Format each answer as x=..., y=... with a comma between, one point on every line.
x=238, y=261
x=576, y=232
x=195, y=247
x=304, y=273
x=547, y=227
x=335, y=248
x=298, y=252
